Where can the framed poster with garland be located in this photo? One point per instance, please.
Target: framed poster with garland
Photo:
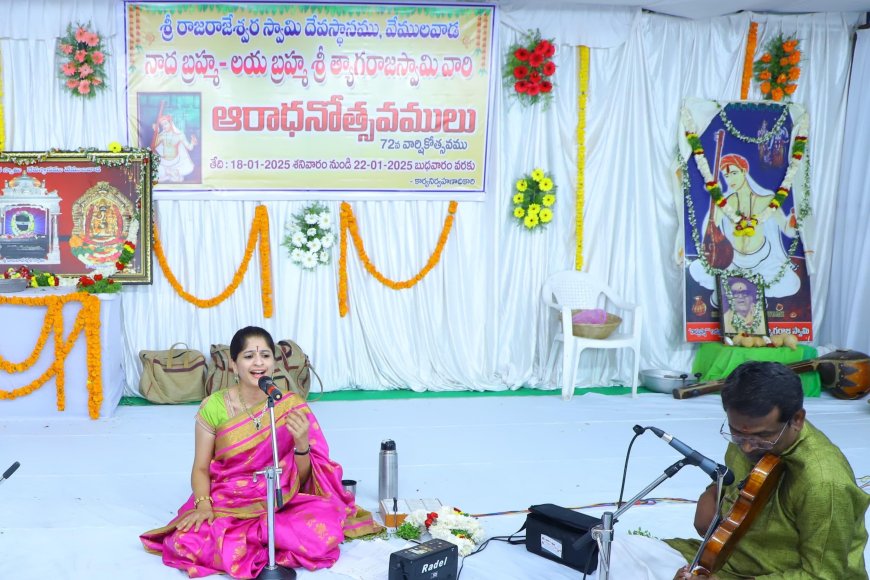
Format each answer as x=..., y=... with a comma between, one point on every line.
x=745, y=188
x=73, y=213
x=743, y=310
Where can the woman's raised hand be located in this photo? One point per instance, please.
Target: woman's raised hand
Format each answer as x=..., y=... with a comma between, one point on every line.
x=297, y=424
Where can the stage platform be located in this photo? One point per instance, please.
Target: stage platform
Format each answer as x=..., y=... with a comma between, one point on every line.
x=86, y=489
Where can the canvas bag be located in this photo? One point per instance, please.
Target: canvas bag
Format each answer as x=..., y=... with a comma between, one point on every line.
x=292, y=369
x=176, y=375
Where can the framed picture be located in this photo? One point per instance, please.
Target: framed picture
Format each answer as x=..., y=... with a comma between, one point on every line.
x=72, y=213
x=742, y=306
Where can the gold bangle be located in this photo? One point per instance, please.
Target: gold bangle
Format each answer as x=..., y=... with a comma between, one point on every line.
x=202, y=498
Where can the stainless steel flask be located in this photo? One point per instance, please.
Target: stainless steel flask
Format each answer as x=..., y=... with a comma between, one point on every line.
x=388, y=471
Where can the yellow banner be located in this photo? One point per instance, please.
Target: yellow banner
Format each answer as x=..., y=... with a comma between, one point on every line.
x=379, y=99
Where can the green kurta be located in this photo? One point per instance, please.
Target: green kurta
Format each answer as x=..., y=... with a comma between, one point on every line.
x=811, y=528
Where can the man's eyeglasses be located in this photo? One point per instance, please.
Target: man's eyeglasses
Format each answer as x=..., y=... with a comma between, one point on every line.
x=752, y=440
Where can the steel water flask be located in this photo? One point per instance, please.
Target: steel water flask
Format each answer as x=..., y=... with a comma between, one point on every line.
x=388, y=471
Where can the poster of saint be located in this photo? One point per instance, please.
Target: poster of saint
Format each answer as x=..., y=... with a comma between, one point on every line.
x=745, y=193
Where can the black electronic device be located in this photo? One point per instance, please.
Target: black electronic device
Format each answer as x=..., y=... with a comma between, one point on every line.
x=432, y=560
x=562, y=535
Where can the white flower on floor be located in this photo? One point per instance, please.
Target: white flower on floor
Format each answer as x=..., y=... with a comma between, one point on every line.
x=309, y=236
x=448, y=524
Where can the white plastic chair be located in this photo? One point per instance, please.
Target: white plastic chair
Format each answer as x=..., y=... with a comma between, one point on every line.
x=572, y=290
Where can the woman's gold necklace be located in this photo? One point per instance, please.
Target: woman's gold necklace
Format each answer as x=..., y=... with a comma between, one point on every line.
x=256, y=420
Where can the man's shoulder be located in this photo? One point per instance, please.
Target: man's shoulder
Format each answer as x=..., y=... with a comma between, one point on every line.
x=816, y=459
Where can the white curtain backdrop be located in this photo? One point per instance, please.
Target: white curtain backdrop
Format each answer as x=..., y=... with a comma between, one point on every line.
x=848, y=320
x=477, y=320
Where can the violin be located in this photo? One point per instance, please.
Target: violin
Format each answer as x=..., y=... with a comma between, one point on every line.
x=755, y=490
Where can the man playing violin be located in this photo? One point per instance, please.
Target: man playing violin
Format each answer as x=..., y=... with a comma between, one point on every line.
x=812, y=525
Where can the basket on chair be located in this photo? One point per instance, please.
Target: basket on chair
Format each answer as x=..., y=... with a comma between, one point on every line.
x=598, y=331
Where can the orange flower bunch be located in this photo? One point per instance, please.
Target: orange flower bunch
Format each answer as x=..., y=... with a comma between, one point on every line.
x=777, y=70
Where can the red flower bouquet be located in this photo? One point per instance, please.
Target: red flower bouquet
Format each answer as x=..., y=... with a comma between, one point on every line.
x=529, y=69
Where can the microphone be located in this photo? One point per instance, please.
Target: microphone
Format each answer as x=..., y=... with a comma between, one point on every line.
x=707, y=465
x=8, y=473
x=267, y=385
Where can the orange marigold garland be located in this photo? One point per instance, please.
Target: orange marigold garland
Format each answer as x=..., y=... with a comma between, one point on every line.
x=348, y=224
x=777, y=70
x=87, y=320
x=259, y=228
x=751, y=44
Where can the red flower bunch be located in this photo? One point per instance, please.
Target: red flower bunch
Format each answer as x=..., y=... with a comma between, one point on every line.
x=99, y=284
x=82, y=59
x=529, y=68
x=431, y=517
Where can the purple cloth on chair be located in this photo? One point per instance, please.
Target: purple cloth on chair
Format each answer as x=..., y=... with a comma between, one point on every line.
x=593, y=316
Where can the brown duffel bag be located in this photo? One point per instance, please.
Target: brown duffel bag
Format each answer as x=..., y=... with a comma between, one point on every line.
x=176, y=375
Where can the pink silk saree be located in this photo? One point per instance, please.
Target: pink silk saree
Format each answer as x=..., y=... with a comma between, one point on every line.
x=315, y=519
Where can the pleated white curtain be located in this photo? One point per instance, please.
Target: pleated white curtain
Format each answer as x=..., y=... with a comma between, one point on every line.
x=476, y=321
x=848, y=322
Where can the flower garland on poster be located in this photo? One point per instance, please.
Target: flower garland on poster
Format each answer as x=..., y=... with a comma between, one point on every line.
x=799, y=152
x=83, y=60
x=448, y=524
x=777, y=69
x=528, y=69
x=309, y=237
x=534, y=196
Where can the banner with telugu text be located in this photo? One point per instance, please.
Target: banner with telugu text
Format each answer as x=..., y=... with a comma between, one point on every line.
x=380, y=100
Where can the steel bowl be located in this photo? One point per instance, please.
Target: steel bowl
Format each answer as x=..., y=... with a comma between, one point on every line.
x=665, y=381
x=13, y=284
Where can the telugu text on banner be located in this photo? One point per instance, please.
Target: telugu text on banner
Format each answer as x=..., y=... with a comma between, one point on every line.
x=312, y=97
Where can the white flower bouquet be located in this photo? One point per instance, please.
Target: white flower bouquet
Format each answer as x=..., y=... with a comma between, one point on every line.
x=448, y=524
x=310, y=237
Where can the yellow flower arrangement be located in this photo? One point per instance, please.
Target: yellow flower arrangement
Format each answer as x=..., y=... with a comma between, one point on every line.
x=348, y=224
x=535, y=196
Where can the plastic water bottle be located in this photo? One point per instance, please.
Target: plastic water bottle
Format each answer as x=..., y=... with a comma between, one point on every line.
x=388, y=471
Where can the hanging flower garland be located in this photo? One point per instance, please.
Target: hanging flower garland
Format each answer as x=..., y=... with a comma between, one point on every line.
x=751, y=42
x=349, y=224
x=581, y=155
x=746, y=225
x=309, y=236
x=83, y=60
x=533, y=199
x=777, y=70
x=259, y=229
x=87, y=320
x=528, y=69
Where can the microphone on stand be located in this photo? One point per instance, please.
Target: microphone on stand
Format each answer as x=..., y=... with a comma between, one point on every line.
x=267, y=385
x=707, y=465
x=8, y=473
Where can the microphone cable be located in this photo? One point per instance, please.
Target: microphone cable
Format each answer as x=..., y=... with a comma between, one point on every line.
x=638, y=431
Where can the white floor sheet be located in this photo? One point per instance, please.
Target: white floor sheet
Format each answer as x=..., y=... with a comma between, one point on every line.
x=87, y=489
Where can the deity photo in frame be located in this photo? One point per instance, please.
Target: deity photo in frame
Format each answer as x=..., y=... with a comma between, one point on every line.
x=742, y=306
x=72, y=213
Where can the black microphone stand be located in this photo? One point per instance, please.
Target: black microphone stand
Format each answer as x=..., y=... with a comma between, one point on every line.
x=272, y=571
x=603, y=534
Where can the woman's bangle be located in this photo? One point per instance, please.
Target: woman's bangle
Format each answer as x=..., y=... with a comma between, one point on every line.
x=306, y=452
x=202, y=498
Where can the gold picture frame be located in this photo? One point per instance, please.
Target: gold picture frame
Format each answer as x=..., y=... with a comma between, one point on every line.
x=72, y=212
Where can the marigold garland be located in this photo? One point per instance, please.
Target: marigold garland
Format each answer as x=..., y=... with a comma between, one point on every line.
x=259, y=229
x=348, y=224
x=751, y=44
x=581, y=154
x=87, y=320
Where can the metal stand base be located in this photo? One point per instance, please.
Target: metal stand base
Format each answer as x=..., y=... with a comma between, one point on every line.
x=277, y=573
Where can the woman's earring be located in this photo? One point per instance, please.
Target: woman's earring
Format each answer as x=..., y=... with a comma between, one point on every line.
x=236, y=378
